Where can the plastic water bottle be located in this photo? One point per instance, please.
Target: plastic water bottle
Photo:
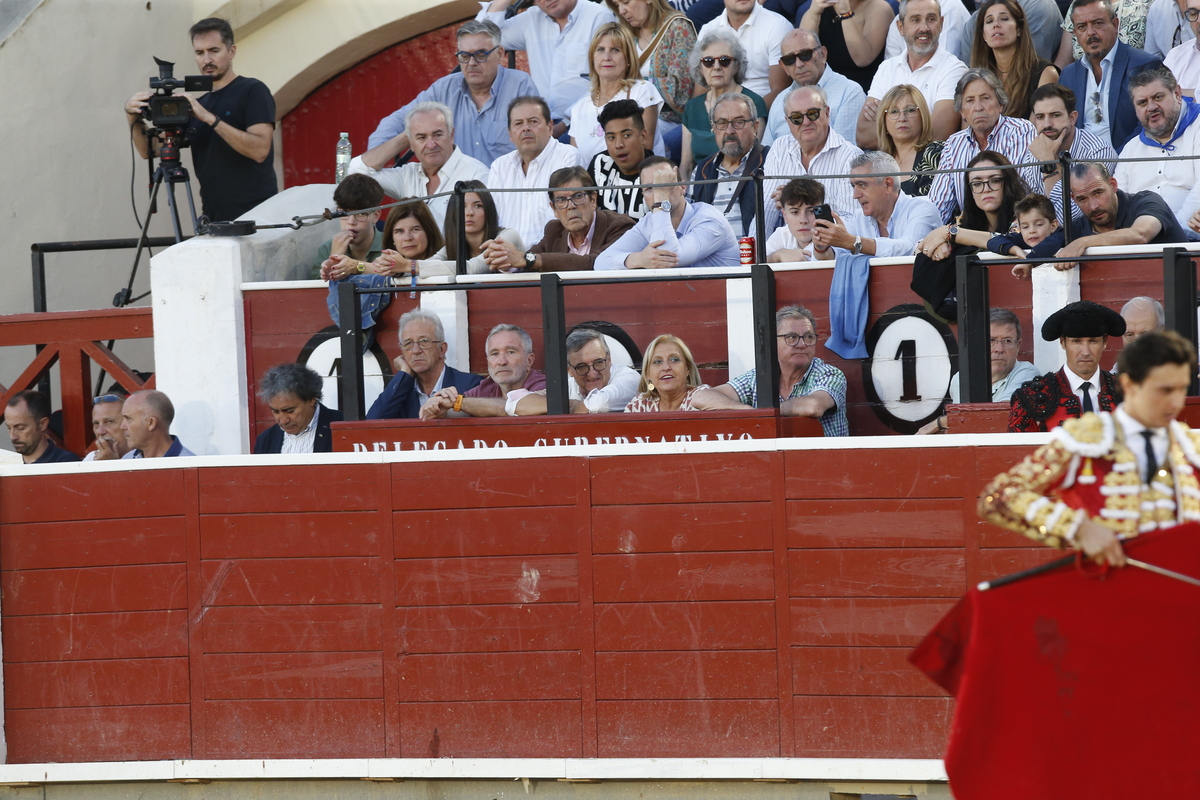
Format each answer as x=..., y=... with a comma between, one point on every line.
x=343, y=158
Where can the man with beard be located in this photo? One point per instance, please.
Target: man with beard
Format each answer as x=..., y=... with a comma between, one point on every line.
x=28, y=418
x=807, y=63
x=1169, y=130
x=1054, y=116
x=733, y=124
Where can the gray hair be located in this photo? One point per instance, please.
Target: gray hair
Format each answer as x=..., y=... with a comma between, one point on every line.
x=158, y=404
x=734, y=97
x=795, y=312
x=421, y=315
x=877, y=162
x=1107, y=5
x=486, y=27
x=294, y=379
x=1082, y=170
x=526, y=341
x=718, y=36
x=1002, y=316
x=429, y=106
x=980, y=74
x=578, y=339
x=1143, y=301
x=904, y=8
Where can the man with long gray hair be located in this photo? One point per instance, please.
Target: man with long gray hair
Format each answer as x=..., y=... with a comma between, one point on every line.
x=293, y=393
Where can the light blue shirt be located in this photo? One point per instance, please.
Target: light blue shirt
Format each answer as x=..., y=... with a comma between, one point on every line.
x=481, y=133
x=1090, y=104
x=558, y=59
x=846, y=99
x=911, y=221
x=703, y=239
x=1002, y=390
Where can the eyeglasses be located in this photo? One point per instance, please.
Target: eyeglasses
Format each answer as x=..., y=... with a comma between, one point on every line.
x=479, y=56
x=107, y=398
x=736, y=124
x=409, y=345
x=1007, y=344
x=575, y=200
x=1192, y=14
x=1099, y=106
x=803, y=55
x=906, y=112
x=990, y=185
x=362, y=216
x=724, y=61
x=813, y=114
x=793, y=339
x=583, y=370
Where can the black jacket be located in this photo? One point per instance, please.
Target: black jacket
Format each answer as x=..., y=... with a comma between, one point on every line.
x=743, y=195
x=271, y=440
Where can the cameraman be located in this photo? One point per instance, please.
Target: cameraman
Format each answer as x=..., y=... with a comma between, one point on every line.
x=231, y=131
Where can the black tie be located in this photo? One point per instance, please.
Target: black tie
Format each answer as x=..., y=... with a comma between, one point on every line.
x=1087, y=397
x=1151, y=461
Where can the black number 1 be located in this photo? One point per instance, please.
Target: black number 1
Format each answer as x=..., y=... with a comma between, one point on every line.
x=907, y=352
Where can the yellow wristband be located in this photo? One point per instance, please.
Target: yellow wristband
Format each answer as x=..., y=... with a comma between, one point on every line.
x=458, y=403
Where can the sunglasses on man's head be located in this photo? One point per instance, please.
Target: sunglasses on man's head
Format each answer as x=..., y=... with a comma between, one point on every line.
x=724, y=61
x=803, y=55
x=813, y=114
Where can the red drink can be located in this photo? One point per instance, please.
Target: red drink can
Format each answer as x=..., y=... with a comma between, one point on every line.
x=746, y=249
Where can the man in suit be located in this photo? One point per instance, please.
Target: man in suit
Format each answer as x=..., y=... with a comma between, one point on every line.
x=1100, y=77
x=293, y=392
x=423, y=369
x=579, y=232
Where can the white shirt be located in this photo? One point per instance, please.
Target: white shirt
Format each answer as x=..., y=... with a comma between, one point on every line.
x=833, y=159
x=585, y=127
x=954, y=17
x=1184, y=63
x=911, y=221
x=622, y=386
x=1166, y=28
x=936, y=79
x=1077, y=382
x=762, y=36
x=303, y=441
x=528, y=212
x=783, y=239
x=1093, y=101
x=1177, y=180
x=1137, y=443
x=410, y=180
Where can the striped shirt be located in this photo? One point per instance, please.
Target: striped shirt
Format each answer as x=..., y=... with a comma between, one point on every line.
x=1084, y=146
x=833, y=159
x=1010, y=137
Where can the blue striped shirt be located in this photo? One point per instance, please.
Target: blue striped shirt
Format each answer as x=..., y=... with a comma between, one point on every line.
x=1010, y=137
x=1085, y=146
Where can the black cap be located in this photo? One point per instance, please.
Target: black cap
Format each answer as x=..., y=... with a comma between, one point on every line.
x=1083, y=319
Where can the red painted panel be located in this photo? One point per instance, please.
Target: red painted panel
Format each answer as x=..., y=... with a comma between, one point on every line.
x=699, y=478
x=686, y=675
x=293, y=728
x=286, y=629
x=864, y=727
x=694, y=527
x=688, y=728
x=541, y=729
x=294, y=535
x=74, y=637
x=92, y=543
x=109, y=733
x=867, y=522
x=291, y=581
x=858, y=671
x=925, y=572
x=649, y=577
x=991, y=461
x=450, y=532
x=95, y=495
x=489, y=629
x=89, y=589
x=933, y=472
x=477, y=581
x=484, y=484
x=114, y=682
x=287, y=490
x=286, y=676
x=685, y=626
x=991, y=536
x=870, y=622
x=551, y=675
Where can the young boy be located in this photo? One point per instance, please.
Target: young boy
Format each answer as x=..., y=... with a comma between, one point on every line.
x=793, y=240
x=1037, y=225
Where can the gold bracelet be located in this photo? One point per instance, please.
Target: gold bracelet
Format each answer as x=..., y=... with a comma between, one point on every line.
x=458, y=403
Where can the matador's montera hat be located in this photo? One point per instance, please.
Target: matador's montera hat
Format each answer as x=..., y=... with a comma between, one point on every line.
x=1083, y=319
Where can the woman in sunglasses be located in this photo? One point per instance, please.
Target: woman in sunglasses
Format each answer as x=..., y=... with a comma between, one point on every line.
x=905, y=133
x=717, y=63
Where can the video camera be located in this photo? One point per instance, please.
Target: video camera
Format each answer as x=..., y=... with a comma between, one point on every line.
x=165, y=109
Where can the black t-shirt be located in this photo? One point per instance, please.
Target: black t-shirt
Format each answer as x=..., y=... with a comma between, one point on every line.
x=230, y=183
x=1145, y=204
x=618, y=192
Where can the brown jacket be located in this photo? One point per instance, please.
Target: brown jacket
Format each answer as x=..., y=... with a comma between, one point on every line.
x=557, y=257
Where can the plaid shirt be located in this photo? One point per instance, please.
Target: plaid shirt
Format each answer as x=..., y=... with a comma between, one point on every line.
x=819, y=377
x=1010, y=137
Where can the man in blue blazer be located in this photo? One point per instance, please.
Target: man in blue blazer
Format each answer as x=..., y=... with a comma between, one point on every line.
x=1099, y=79
x=293, y=392
x=423, y=350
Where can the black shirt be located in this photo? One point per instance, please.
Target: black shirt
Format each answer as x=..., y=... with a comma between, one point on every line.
x=1145, y=204
x=55, y=455
x=230, y=183
x=618, y=192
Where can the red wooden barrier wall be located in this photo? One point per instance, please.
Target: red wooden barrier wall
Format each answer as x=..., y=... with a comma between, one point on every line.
x=738, y=604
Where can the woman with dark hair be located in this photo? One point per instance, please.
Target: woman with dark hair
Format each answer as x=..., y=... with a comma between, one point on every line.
x=482, y=224
x=992, y=193
x=1002, y=44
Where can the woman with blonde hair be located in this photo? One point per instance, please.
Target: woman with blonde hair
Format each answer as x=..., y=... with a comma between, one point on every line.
x=1002, y=44
x=906, y=134
x=670, y=378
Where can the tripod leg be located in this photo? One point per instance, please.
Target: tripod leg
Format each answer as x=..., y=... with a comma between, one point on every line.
x=187, y=185
x=174, y=211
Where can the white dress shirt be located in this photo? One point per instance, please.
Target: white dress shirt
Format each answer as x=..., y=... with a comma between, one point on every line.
x=1165, y=29
x=1077, y=382
x=622, y=386
x=1137, y=443
x=1096, y=97
x=833, y=159
x=528, y=212
x=410, y=180
x=303, y=441
x=911, y=221
x=1184, y=63
x=762, y=36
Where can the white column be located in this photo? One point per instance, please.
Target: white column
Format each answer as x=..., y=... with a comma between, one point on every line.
x=1051, y=291
x=451, y=309
x=739, y=312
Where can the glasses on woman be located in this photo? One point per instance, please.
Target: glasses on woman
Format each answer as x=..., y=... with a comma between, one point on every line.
x=736, y=124
x=813, y=114
x=906, y=112
x=724, y=61
x=989, y=185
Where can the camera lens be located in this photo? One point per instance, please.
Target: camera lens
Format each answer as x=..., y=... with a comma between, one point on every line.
x=169, y=109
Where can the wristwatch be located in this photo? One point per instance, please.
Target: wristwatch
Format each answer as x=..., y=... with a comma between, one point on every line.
x=857, y=248
x=530, y=260
x=361, y=268
x=665, y=205
x=952, y=232
x=1049, y=169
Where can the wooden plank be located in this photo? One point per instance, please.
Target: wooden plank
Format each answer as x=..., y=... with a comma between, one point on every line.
x=294, y=728
x=75, y=637
x=650, y=577
x=699, y=478
x=541, y=729
x=551, y=675
x=868, y=522
x=869, y=622
x=872, y=727
x=686, y=675
x=695, y=527
x=864, y=671
x=489, y=629
x=291, y=676
x=485, y=581
x=917, y=472
x=291, y=581
x=685, y=626
x=292, y=535
x=112, y=682
x=99, y=733
x=447, y=533
x=287, y=490
x=83, y=590
x=93, y=495
x=991, y=536
x=91, y=543
x=485, y=484
x=56, y=326
x=287, y=629
x=882, y=572
x=996, y=562
x=689, y=728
